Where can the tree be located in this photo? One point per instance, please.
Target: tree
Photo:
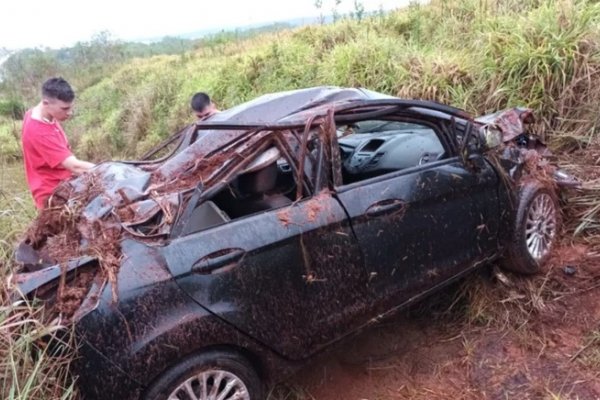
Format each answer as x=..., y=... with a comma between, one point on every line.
x=319, y=6
x=24, y=72
x=359, y=10
x=334, y=13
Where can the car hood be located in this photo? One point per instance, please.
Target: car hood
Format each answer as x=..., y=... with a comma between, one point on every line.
x=505, y=134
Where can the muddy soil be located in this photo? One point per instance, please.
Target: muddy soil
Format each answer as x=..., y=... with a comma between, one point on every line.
x=515, y=338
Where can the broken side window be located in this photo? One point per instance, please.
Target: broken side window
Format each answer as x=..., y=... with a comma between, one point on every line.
x=267, y=182
x=375, y=147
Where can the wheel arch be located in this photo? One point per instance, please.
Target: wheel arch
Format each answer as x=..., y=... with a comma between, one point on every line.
x=251, y=356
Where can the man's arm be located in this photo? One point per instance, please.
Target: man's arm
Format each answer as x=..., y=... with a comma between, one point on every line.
x=77, y=166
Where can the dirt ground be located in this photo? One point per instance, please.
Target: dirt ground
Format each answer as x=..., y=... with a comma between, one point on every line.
x=487, y=337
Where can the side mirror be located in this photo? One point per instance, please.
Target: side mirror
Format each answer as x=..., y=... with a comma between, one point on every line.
x=491, y=136
x=471, y=148
x=475, y=162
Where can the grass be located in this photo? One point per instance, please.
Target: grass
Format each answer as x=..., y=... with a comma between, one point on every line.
x=286, y=391
x=28, y=368
x=16, y=208
x=9, y=133
x=589, y=354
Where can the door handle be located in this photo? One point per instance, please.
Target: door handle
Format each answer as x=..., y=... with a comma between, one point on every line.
x=218, y=261
x=386, y=206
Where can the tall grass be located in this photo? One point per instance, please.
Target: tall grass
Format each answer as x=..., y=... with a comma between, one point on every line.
x=10, y=131
x=29, y=369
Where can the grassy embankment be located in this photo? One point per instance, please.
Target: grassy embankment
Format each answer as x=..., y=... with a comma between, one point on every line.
x=479, y=55
x=25, y=371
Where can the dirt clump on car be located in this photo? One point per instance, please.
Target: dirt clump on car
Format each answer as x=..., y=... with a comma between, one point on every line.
x=71, y=296
x=314, y=208
x=55, y=231
x=284, y=217
x=189, y=175
x=61, y=234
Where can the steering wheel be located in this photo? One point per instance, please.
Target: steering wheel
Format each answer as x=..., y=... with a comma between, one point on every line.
x=428, y=157
x=345, y=153
x=357, y=162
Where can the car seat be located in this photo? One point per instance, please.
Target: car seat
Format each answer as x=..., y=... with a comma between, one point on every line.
x=257, y=185
x=205, y=216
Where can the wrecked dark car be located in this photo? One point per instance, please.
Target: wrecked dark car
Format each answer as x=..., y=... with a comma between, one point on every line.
x=249, y=242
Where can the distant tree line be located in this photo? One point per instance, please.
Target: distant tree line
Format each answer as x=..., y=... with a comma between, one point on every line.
x=83, y=65
x=86, y=63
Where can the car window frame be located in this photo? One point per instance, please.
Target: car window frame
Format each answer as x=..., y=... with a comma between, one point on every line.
x=437, y=125
x=198, y=196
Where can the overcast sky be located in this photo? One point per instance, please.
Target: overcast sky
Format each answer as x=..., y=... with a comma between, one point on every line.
x=61, y=23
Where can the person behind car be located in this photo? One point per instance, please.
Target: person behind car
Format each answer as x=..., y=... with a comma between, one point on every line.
x=47, y=155
x=202, y=106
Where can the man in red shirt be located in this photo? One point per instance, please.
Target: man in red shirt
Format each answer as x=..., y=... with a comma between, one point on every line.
x=46, y=152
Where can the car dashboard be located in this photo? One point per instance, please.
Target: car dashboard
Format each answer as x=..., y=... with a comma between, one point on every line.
x=371, y=154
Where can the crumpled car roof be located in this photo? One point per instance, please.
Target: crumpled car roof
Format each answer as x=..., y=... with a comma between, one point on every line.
x=271, y=108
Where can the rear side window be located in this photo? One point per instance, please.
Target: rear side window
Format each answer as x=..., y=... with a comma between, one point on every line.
x=267, y=183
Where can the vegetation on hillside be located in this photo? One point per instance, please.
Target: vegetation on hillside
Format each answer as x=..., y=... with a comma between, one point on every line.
x=477, y=55
x=481, y=55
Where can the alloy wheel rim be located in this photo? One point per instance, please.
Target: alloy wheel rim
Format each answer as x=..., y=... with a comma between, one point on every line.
x=211, y=385
x=540, y=226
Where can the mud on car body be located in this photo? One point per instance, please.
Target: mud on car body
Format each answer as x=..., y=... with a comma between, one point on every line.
x=247, y=243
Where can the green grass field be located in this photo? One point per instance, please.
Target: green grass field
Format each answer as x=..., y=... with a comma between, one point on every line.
x=16, y=209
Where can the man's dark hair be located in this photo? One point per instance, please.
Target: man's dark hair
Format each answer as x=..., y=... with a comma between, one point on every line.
x=58, y=88
x=200, y=101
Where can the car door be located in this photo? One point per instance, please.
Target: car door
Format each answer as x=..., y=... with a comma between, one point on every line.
x=421, y=222
x=292, y=277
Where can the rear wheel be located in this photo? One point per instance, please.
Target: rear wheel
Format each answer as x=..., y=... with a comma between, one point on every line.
x=535, y=231
x=207, y=376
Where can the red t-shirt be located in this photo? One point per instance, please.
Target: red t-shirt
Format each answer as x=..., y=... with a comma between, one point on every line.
x=45, y=147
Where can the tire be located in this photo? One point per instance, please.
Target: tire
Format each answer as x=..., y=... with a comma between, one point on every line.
x=233, y=372
x=535, y=230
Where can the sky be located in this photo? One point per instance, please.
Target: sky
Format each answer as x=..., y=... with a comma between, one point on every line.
x=62, y=23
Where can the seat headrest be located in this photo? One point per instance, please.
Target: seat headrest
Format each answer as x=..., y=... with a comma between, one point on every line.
x=260, y=175
x=269, y=156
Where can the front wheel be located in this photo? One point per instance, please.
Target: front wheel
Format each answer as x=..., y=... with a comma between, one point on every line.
x=208, y=376
x=536, y=228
